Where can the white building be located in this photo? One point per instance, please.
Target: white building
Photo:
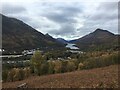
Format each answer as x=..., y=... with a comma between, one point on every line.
x=2, y=50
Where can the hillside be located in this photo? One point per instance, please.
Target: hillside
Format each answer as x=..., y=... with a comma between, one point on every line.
x=17, y=36
x=97, y=40
x=62, y=40
x=106, y=77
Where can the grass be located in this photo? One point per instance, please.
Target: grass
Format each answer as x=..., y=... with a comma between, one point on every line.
x=105, y=77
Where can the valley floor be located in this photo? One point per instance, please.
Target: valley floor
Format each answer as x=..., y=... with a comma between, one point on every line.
x=100, y=77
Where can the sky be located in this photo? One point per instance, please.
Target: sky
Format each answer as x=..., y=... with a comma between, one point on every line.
x=70, y=19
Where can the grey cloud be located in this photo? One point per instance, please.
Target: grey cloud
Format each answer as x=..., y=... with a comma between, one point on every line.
x=102, y=17
x=60, y=18
x=109, y=6
x=65, y=17
x=105, y=16
x=66, y=29
x=92, y=25
x=63, y=14
x=71, y=10
x=105, y=12
x=12, y=9
x=24, y=18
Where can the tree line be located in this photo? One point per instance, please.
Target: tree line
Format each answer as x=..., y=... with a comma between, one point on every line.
x=39, y=65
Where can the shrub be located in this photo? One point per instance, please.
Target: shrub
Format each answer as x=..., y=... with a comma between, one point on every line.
x=51, y=67
x=21, y=73
x=11, y=75
x=16, y=74
x=70, y=66
x=4, y=75
x=58, y=66
x=80, y=66
x=37, y=62
x=64, y=64
x=101, y=61
x=27, y=72
x=44, y=68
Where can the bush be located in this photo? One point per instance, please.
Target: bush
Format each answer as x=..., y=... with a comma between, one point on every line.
x=51, y=67
x=37, y=62
x=64, y=68
x=58, y=66
x=70, y=66
x=80, y=66
x=101, y=61
x=15, y=74
x=27, y=72
x=44, y=68
x=18, y=74
x=4, y=75
x=11, y=75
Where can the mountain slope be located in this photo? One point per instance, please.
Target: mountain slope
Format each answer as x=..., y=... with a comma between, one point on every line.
x=16, y=35
x=62, y=40
x=97, y=40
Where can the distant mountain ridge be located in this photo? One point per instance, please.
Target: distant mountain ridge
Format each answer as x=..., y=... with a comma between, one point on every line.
x=62, y=40
x=16, y=35
x=99, y=39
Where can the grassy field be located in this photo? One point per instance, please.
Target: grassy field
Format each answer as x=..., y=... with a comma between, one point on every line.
x=105, y=77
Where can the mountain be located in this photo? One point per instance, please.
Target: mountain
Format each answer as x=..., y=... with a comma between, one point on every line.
x=48, y=35
x=18, y=36
x=62, y=40
x=98, y=40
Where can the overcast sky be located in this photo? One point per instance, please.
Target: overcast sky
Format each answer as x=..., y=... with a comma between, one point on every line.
x=69, y=20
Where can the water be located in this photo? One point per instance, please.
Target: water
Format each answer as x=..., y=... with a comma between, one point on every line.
x=71, y=46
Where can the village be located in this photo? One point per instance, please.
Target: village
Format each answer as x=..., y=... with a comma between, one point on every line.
x=14, y=59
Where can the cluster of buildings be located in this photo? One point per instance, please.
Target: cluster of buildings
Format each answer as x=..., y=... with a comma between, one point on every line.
x=29, y=52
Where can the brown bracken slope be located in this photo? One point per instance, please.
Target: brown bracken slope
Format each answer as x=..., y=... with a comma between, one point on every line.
x=106, y=77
